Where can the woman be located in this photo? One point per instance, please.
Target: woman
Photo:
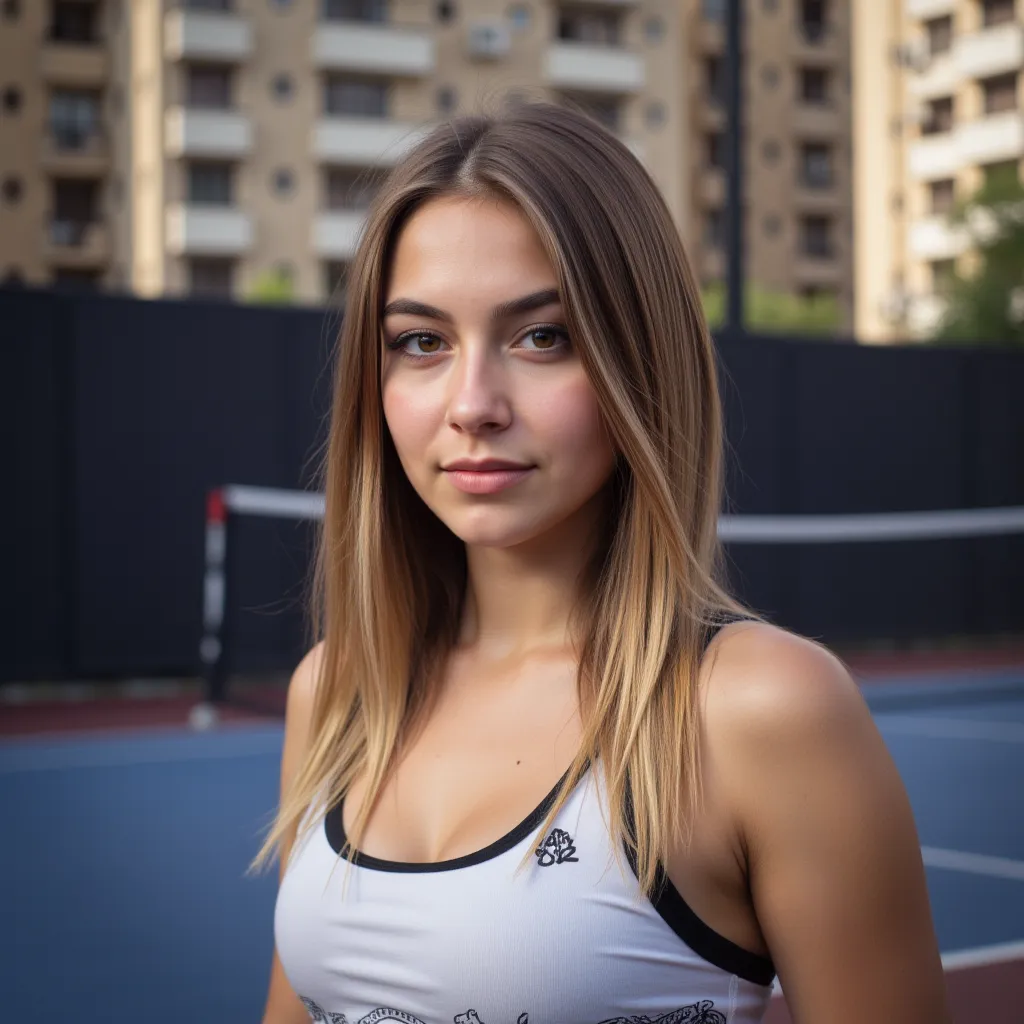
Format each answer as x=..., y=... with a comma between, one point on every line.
x=583, y=782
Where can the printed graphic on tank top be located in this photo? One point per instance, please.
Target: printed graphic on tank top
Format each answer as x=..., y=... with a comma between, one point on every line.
x=570, y=940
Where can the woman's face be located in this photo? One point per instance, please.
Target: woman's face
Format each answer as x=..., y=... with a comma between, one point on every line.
x=488, y=405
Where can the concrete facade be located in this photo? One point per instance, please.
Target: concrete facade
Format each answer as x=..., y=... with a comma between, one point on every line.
x=940, y=105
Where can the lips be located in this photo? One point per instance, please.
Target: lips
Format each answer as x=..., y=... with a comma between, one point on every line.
x=485, y=476
x=484, y=465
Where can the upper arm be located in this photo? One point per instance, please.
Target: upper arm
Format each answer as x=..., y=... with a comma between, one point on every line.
x=835, y=868
x=283, y=1005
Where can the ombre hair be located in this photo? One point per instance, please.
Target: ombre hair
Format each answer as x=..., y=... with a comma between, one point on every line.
x=390, y=578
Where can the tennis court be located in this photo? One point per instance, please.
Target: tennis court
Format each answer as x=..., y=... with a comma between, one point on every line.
x=123, y=870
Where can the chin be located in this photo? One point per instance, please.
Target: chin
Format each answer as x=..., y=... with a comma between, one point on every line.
x=496, y=528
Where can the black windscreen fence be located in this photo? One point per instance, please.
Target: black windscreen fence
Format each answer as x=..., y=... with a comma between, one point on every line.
x=120, y=415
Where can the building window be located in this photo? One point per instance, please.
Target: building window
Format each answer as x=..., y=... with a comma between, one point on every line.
x=940, y=34
x=445, y=12
x=772, y=225
x=714, y=229
x=210, y=184
x=11, y=9
x=11, y=190
x=816, y=237
x=815, y=165
x=714, y=79
x=770, y=76
x=770, y=6
x=211, y=276
x=996, y=12
x=12, y=99
x=813, y=20
x=770, y=150
x=74, y=209
x=209, y=5
x=938, y=117
x=283, y=182
x=335, y=280
x=715, y=143
x=74, y=118
x=208, y=87
x=74, y=22
x=814, y=84
x=943, y=276
x=942, y=196
x=1000, y=93
x=606, y=110
x=713, y=10
x=350, y=189
x=589, y=25
x=282, y=87
x=355, y=10
x=355, y=97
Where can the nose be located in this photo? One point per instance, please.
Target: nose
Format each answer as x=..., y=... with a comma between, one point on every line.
x=478, y=401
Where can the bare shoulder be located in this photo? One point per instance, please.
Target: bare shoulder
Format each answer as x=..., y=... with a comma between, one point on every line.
x=302, y=686
x=833, y=858
x=762, y=684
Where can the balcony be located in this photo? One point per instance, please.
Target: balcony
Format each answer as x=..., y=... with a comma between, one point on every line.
x=818, y=120
x=992, y=51
x=940, y=78
x=934, y=238
x=926, y=9
x=207, y=35
x=602, y=69
x=194, y=230
x=991, y=139
x=364, y=141
x=935, y=156
x=206, y=133
x=374, y=49
x=77, y=244
x=74, y=64
x=72, y=152
x=336, y=233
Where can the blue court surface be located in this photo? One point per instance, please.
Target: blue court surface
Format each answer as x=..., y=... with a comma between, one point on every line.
x=123, y=859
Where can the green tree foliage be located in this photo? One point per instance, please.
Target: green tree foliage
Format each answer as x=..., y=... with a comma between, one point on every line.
x=988, y=306
x=765, y=310
x=273, y=288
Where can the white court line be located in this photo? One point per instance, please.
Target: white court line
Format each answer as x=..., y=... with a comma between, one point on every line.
x=952, y=728
x=973, y=863
x=965, y=959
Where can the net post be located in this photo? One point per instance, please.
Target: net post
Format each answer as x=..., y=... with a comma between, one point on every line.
x=213, y=662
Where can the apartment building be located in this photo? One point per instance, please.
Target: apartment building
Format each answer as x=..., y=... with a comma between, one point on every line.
x=940, y=108
x=797, y=153
x=193, y=146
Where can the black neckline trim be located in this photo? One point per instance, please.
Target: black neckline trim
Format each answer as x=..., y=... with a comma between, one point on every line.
x=334, y=829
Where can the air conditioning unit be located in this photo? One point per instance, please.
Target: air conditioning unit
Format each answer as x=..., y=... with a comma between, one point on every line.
x=489, y=40
x=914, y=55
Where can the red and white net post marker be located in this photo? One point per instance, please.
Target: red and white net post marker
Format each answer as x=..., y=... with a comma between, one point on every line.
x=211, y=646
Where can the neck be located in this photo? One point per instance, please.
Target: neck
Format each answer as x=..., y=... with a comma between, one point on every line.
x=520, y=599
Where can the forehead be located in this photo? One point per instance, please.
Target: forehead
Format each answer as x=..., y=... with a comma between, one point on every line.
x=471, y=243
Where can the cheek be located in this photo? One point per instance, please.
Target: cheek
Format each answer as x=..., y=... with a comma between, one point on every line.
x=411, y=415
x=573, y=425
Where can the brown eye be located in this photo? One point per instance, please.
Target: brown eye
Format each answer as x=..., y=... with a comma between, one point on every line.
x=427, y=343
x=544, y=339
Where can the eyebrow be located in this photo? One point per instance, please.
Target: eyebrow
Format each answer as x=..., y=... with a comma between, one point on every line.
x=504, y=310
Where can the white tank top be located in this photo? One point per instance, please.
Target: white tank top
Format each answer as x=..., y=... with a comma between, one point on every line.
x=569, y=940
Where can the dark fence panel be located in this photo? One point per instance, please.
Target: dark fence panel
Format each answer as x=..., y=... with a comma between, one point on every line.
x=118, y=415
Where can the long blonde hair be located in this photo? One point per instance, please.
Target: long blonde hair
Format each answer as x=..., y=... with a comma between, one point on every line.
x=388, y=598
